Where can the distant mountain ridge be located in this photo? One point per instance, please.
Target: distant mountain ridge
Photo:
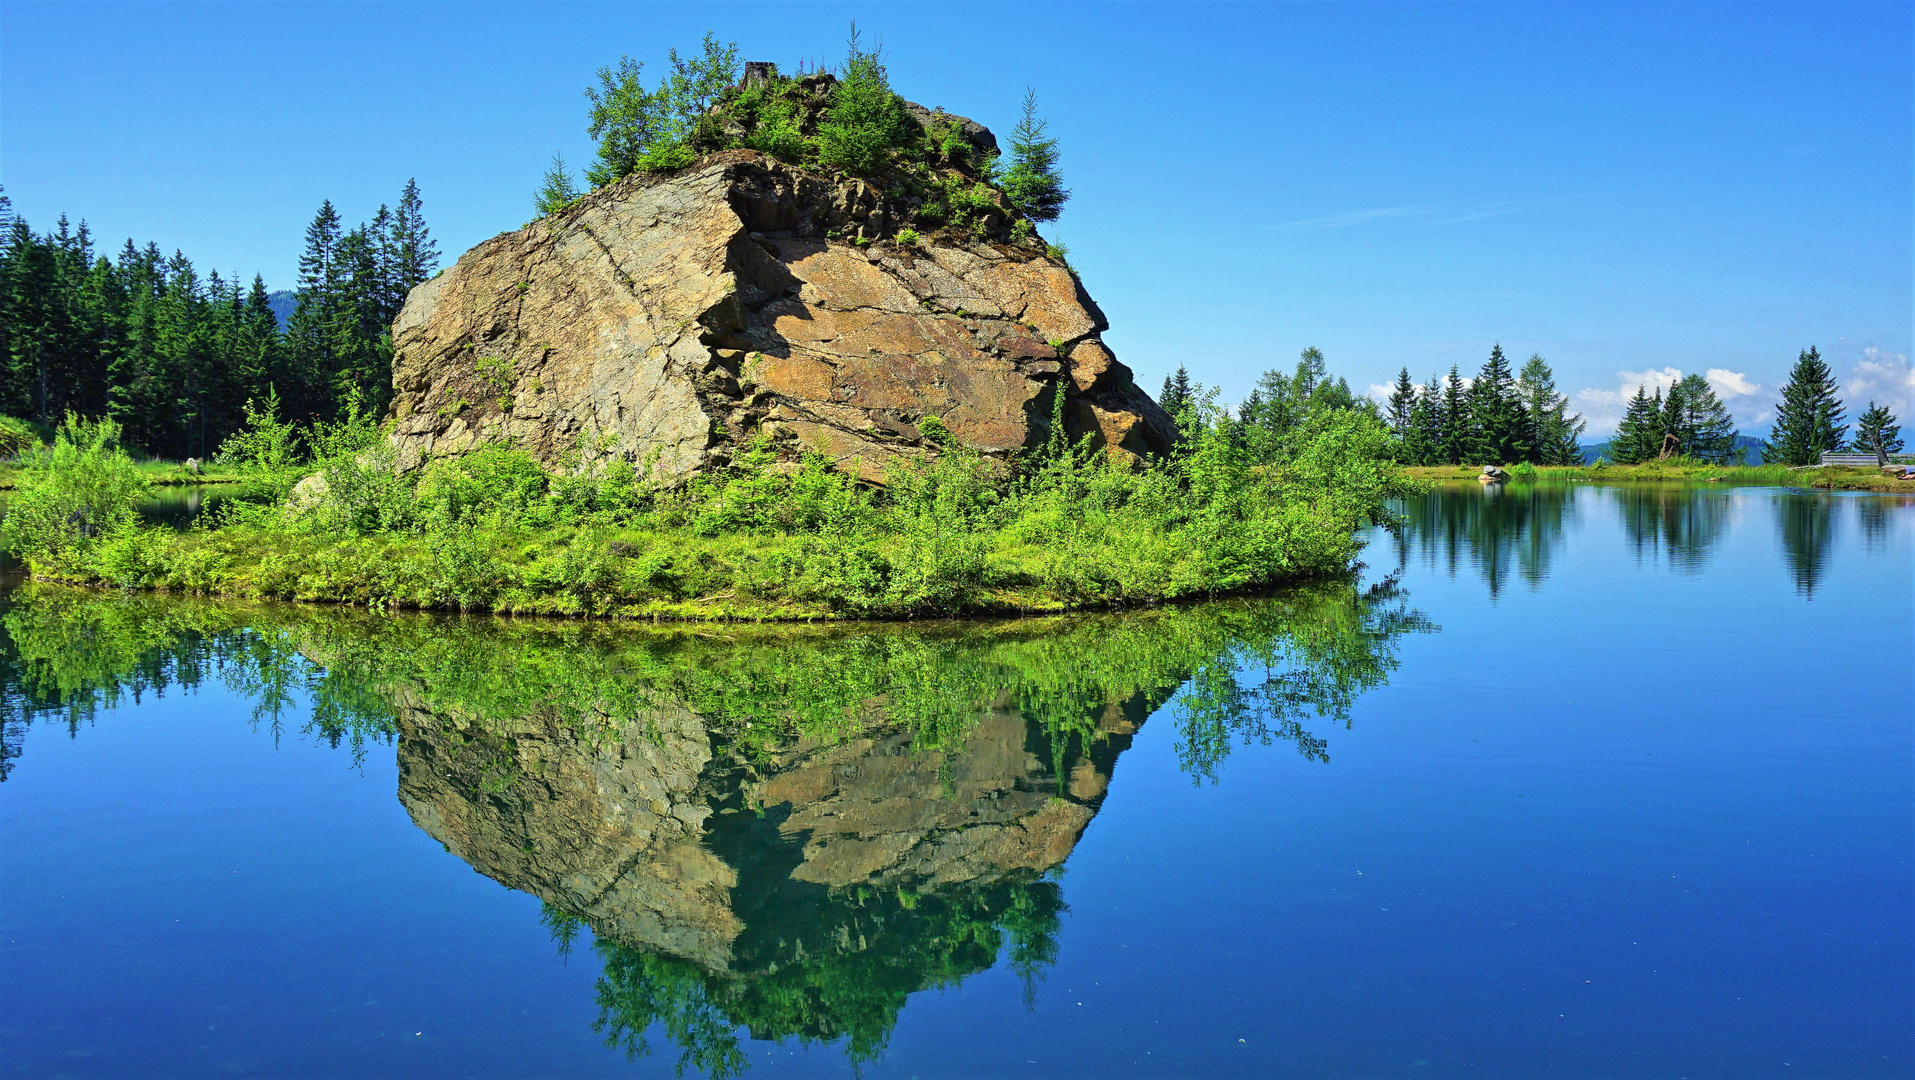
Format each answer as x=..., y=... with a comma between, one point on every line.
x=282, y=301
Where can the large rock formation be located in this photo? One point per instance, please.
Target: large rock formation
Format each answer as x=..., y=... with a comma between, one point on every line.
x=670, y=317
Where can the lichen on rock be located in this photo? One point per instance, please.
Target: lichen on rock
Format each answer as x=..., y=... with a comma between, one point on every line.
x=670, y=318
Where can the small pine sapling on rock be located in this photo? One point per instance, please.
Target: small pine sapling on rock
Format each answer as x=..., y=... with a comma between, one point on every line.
x=1033, y=183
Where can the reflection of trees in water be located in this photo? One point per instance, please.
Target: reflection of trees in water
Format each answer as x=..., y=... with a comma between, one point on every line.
x=784, y=830
x=1876, y=514
x=1807, y=524
x=1502, y=530
x=1673, y=521
x=71, y=655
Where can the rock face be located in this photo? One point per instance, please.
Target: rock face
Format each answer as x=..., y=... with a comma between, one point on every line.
x=670, y=318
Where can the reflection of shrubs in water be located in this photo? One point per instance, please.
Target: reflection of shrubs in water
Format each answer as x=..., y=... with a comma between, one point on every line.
x=902, y=943
x=1311, y=650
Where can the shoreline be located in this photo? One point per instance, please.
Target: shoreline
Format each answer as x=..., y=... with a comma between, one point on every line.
x=1808, y=478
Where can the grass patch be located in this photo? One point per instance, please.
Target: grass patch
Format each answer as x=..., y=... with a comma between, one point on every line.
x=953, y=534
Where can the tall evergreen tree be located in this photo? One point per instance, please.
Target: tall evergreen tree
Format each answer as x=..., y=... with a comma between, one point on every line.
x=1810, y=419
x=312, y=332
x=1552, y=430
x=1176, y=392
x=1402, y=403
x=1499, y=429
x=1459, y=427
x=1878, y=432
x=1639, y=436
x=415, y=254
x=1704, y=428
x=1424, y=443
x=1670, y=439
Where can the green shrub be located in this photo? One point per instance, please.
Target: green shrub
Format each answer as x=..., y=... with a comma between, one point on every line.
x=70, y=496
x=866, y=121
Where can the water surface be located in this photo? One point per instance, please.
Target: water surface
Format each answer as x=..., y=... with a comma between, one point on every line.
x=1577, y=780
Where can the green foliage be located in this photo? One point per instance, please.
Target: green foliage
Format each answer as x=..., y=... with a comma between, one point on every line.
x=1878, y=432
x=1553, y=432
x=950, y=533
x=1701, y=423
x=556, y=191
x=173, y=355
x=73, y=495
x=1177, y=392
x=866, y=120
x=1639, y=434
x=1033, y=183
x=1809, y=420
x=1499, y=429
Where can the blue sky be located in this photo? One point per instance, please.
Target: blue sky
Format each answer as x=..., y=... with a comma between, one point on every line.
x=1632, y=190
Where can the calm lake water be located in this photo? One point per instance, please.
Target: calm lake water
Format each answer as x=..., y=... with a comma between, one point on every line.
x=1579, y=781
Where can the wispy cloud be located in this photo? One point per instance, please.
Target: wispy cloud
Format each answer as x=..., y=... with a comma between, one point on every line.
x=1882, y=377
x=1426, y=214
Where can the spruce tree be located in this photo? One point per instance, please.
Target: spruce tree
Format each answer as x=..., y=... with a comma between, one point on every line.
x=1176, y=393
x=556, y=191
x=1424, y=443
x=1459, y=431
x=1639, y=431
x=415, y=254
x=1402, y=403
x=1878, y=432
x=1033, y=182
x=1498, y=427
x=1671, y=438
x=1810, y=419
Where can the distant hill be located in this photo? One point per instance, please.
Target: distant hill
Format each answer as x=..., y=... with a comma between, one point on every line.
x=1750, y=446
x=282, y=304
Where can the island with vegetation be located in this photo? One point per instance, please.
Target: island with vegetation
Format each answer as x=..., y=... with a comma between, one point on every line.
x=800, y=352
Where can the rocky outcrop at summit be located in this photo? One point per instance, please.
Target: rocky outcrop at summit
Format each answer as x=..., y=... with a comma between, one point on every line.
x=672, y=318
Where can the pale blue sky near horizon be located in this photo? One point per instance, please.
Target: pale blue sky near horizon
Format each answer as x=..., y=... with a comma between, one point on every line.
x=1631, y=190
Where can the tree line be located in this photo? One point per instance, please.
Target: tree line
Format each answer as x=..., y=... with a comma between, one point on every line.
x=1497, y=418
x=1493, y=418
x=174, y=356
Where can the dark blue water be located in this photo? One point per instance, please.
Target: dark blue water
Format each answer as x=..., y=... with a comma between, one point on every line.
x=1616, y=782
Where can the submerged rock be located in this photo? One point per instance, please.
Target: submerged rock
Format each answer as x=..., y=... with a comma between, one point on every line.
x=670, y=318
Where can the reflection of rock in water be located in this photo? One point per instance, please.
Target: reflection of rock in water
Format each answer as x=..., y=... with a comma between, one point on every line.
x=734, y=853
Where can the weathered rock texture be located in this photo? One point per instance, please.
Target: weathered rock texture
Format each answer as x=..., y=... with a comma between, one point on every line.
x=667, y=318
x=662, y=837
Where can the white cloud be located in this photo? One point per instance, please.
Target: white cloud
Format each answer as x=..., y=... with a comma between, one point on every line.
x=1882, y=377
x=1731, y=384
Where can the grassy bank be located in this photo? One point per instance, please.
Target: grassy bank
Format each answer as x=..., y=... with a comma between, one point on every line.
x=495, y=531
x=155, y=473
x=1833, y=477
